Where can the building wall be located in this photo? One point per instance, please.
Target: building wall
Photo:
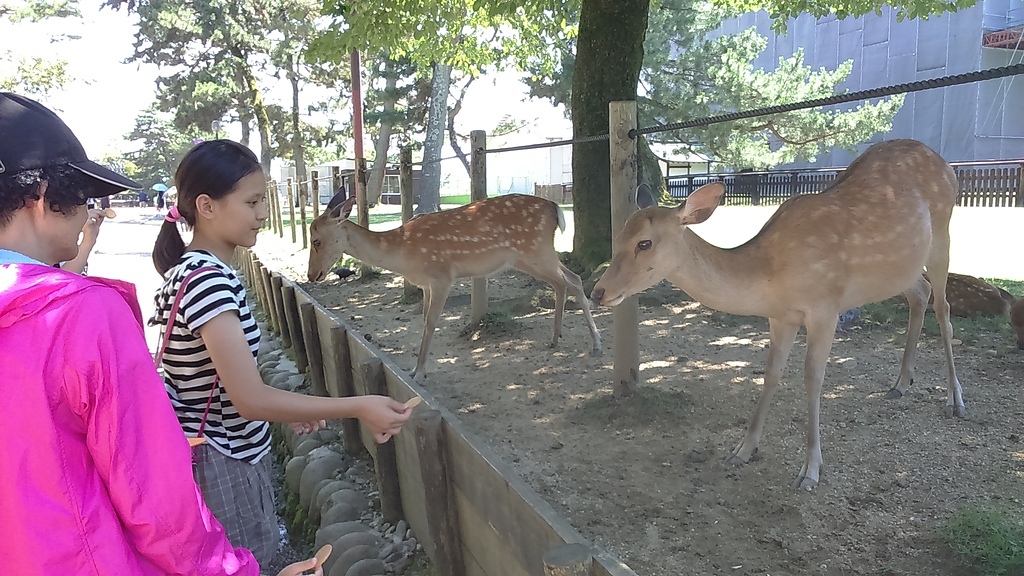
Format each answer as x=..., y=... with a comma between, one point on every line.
x=977, y=121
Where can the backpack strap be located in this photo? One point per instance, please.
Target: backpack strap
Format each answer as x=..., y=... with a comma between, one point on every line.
x=167, y=336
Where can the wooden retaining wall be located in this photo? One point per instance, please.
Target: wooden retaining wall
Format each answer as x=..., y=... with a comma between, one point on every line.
x=473, y=514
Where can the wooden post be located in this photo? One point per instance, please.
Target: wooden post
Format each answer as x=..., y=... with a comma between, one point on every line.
x=371, y=372
x=314, y=355
x=268, y=304
x=478, y=191
x=269, y=222
x=335, y=179
x=410, y=290
x=625, y=316
x=1020, y=187
x=316, y=194
x=568, y=560
x=254, y=279
x=342, y=353
x=363, y=218
x=291, y=209
x=428, y=430
x=277, y=213
x=276, y=285
x=291, y=312
x=303, y=198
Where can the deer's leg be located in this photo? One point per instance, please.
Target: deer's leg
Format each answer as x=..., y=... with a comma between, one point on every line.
x=917, y=298
x=820, y=333
x=434, y=298
x=782, y=336
x=575, y=286
x=938, y=270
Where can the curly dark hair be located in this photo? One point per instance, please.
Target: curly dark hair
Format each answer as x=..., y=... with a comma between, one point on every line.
x=66, y=189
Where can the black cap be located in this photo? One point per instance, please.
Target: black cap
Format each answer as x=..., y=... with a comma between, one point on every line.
x=33, y=137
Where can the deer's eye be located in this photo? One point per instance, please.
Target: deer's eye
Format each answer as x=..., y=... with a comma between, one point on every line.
x=643, y=245
x=316, y=244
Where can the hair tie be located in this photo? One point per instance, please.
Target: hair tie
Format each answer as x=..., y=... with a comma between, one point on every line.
x=173, y=215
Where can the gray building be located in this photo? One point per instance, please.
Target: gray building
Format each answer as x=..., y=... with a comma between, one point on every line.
x=979, y=121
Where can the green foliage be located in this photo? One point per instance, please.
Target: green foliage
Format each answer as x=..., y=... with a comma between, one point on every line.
x=687, y=76
x=782, y=10
x=989, y=538
x=161, y=145
x=31, y=75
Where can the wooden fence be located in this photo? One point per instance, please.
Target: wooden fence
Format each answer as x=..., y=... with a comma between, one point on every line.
x=996, y=183
x=469, y=509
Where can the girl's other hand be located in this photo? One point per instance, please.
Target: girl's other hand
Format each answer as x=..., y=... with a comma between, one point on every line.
x=384, y=416
x=304, y=567
x=301, y=428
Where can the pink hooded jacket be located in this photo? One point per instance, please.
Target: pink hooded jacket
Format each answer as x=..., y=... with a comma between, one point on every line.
x=95, y=472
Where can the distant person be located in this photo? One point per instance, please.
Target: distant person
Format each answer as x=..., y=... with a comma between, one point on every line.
x=159, y=200
x=96, y=473
x=143, y=198
x=211, y=357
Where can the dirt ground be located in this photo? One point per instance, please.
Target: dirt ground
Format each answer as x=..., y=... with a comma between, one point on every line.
x=645, y=478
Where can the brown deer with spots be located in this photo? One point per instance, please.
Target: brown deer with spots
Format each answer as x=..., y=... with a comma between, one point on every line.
x=433, y=250
x=866, y=238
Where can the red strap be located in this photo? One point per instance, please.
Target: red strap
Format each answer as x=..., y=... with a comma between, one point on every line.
x=167, y=337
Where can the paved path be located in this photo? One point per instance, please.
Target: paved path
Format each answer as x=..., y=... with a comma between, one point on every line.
x=124, y=251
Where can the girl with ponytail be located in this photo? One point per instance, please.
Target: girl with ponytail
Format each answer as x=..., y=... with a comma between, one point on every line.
x=209, y=362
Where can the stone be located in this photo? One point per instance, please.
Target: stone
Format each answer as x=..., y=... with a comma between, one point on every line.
x=317, y=469
x=294, y=382
x=306, y=443
x=320, y=498
x=287, y=365
x=293, y=472
x=367, y=567
x=353, y=498
x=331, y=532
x=354, y=539
x=349, y=557
x=277, y=380
x=313, y=512
x=339, y=512
x=328, y=435
x=321, y=452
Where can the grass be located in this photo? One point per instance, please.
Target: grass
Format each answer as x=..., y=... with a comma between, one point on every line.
x=987, y=538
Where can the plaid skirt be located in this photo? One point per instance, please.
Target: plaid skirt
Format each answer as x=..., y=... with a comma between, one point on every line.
x=241, y=496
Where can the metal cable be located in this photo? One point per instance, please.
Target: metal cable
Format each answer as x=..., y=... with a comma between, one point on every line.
x=582, y=140
x=942, y=82
x=439, y=160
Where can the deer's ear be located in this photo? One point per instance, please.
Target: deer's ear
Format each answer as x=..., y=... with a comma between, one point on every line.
x=343, y=210
x=645, y=197
x=336, y=200
x=701, y=203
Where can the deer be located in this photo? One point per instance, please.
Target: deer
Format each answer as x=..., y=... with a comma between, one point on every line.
x=433, y=250
x=867, y=237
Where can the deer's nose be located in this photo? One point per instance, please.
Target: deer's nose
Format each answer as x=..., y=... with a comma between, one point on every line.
x=596, y=296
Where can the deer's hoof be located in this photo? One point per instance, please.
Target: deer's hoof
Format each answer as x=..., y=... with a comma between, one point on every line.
x=959, y=411
x=596, y=353
x=893, y=394
x=805, y=483
x=735, y=459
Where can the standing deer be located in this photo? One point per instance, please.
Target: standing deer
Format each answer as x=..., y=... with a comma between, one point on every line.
x=433, y=250
x=866, y=238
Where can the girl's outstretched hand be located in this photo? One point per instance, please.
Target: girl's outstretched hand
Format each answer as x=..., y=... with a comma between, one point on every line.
x=304, y=567
x=384, y=416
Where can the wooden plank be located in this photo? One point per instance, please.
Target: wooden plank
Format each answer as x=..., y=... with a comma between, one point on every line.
x=483, y=545
x=311, y=338
x=345, y=388
x=268, y=301
x=325, y=324
x=371, y=372
x=291, y=312
x=442, y=513
x=276, y=285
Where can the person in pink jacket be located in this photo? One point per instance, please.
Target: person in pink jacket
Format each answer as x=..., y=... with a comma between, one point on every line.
x=95, y=472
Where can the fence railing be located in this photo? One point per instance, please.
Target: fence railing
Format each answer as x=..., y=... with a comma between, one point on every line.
x=992, y=183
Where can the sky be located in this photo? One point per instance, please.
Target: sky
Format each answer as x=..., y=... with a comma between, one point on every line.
x=101, y=103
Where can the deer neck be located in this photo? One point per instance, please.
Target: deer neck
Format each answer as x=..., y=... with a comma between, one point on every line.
x=731, y=280
x=373, y=248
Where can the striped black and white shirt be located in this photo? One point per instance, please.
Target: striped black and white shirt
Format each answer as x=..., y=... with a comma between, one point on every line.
x=189, y=374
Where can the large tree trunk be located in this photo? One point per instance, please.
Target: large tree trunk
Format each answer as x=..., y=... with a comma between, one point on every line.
x=259, y=110
x=430, y=185
x=298, y=150
x=245, y=117
x=605, y=72
x=375, y=181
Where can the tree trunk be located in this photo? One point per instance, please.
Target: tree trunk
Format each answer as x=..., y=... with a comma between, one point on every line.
x=245, y=117
x=375, y=181
x=452, y=136
x=259, y=110
x=298, y=150
x=430, y=185
x=605, y=71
